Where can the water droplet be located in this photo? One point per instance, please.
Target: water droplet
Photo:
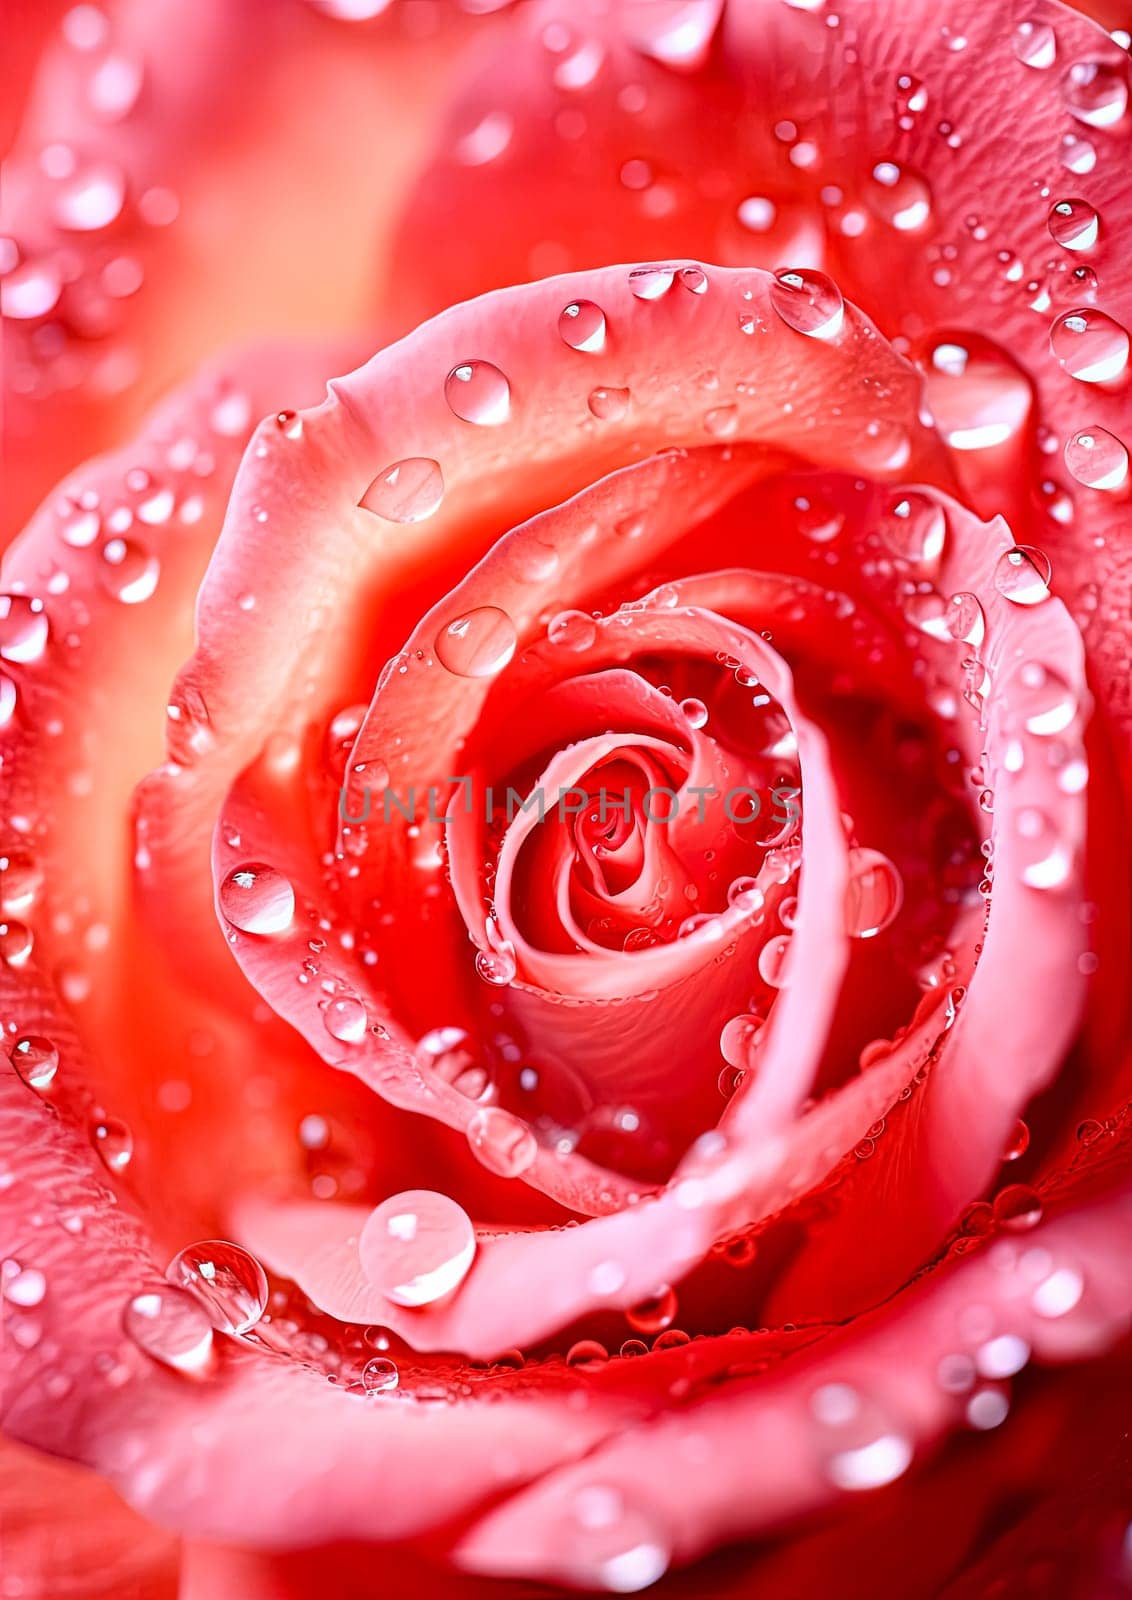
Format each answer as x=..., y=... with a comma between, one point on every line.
x=655, y=1314
x=987, y=1408
x=874, y=894
x=503, y=1143
x=1077, y=154
x=478, y=644
x=773, y=961
x=1022, y=575
x=721, y=421
x=114, y=87
x=572, y=630
x=1017, y=1144
x=1046, y=863
x=966, y=621
x=1073, y=224
x=129, y=572
x=451, y=1054
x=23, y=628
x=808, y=301
x=30, y=290
x=915, y=528
x=1042, y=698
x=737, y=1042
x=976, y=393
x=478, y=392
x=609, y=405
x=346, y=1019
x=497, y=966
x=581, y=325
x=91, y=199
x=16, y=938
x=1096, y=92
x=171, y=1326
x=883, y=1460
x=1035, y=43
x=694, y=279
x=257, y=899
x=899, y=196
x=1060, y=1292
x=695, y=712
x=114, y=1143
x=650, y=283
x=1017, y=1207
x=1089, y=345
x=417, y=1247
x=36, y=1060
x=408, y=491
x=678, y=36
x=228, y=1281
x=380, y=1375
x=1097, y=459
x=587, y=1353
x=24, y=1287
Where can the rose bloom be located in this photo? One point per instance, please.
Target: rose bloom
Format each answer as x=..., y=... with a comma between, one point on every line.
x=564, y=853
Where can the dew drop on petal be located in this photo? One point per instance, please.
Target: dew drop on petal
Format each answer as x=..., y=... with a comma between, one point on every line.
x=915, y=528
x=572, y=630
x=346, y=1019
x=650, y=283
x=1035, y=43
x=874, y=894
x=677, y=33
x=171, y=1326
x=477, y=644
x=1022, y=575
x=1097, y=459
x=257, y=898
x=497, y=966
x=694, y=712
x=881, y=1461
x=23, y=628
x=227, y=1280
x=129, y=572
x=30, y=290
x=774, y=960
x=1078, y=155
x=1089, y=345
x=587, y=1353
x=1096, y=92
x=966, y=621
x=408, y=491
x=477, y=391
x=1017, y=1207
x=379, y=1375
x=977, y=394
x=92, y=199
x=417, y=1247
x=1073, y=224
x=738, y=1039
x=501, y=1142
x=1042, y=698
x=694, y=279
x=608, y=405
x=22, y=1286
x=581, y=325
x=16, y=938
x=655, y=1314
x=899, y=196
x=808, y=301
x=36, y=1060
x=114, y=1143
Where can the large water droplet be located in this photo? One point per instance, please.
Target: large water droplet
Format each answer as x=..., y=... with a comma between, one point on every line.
x=773, y=961
x=581, y=325
x=478, y=392
x=977, y=395
x=226, y=1279
x=21, y=879
x=114, y=1142
x=129, y=572
x=417, y=1247
x=572, y=630
x=30, y=290
x=966, y=620
x=1090, y=345
x=346, y=1019
x=737, y=1041
x=1097, y=459
x=36, y=1060
x=874, y=894
x=1096, y=92
x=808, y=301
x=16, y=938
x=608, y=405
x=914, y=527
x=23, y=628
x=257, y=899
x=408, y=491
x=478, y=644
x=1022, y=575
x=501, y=1142
x=1035, y=43
x=650, y=283
x=171, y=1326
x=1074, y=224
x=380, y=1375
x=654, y=1314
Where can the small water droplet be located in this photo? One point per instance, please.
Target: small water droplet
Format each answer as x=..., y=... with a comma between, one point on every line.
x=738, y=1040
x=257, y=899
x=651, y=283
x=171, y=1326
x=1016, y=1145
x=1042, y=698
x=478, y=644
x=1089, y=345
x=1096, y=92
x=346, y=1019
x=587, y=1353
x=129, y=572
x=915, y=528
x=773, y=961
x=694, y=712
x=497, y=966
x=23, y=628
x=721, y=421
x=114, y=1143
x=581, y=325
x=379, y=1375
x=36, y=1060
x=808, y=301
x=899, y=196
x=501, y=1142
x=655, y=1314
x=1097, y=459
x=1078, y=155
x=694, y=279
x=966, y=621
x=417, y=1247
x=1017, y=1207
x=1022, y=575
x=408, y=491
x=227, y=1280
x=572, y=630
x=1045, y=860
x=478, y=392
x=22, y=1286
x=1073, y=224
x=608, y=405
x=874, y=894
x=16, y=938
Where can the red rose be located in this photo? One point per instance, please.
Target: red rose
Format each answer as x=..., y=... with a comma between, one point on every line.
x=606, y=1035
